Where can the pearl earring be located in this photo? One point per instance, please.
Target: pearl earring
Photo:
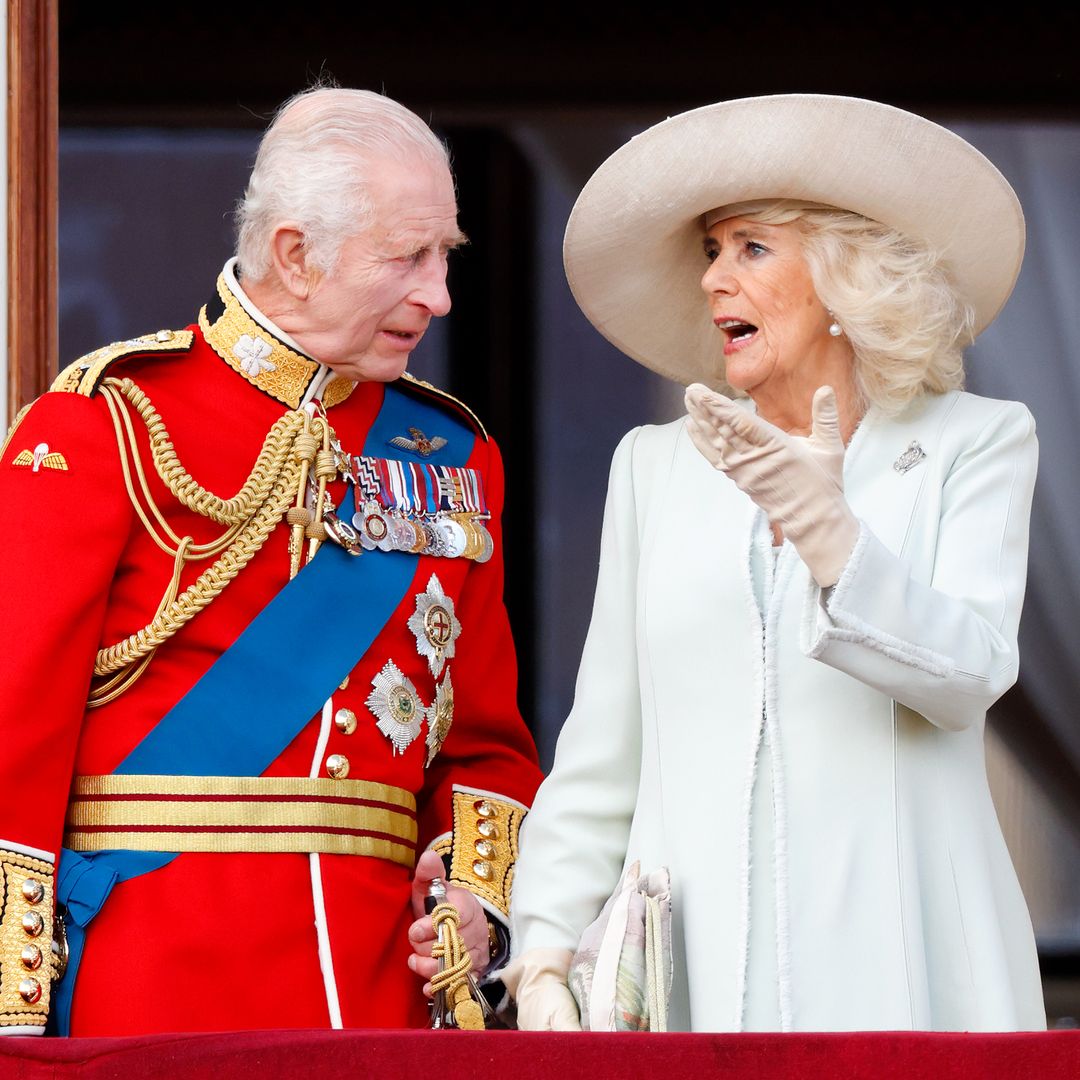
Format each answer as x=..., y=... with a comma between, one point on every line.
x=835, y=328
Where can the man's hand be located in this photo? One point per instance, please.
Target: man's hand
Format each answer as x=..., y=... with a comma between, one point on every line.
x=473, y=927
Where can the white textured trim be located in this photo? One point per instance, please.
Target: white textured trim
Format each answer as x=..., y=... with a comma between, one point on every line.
x=322, y=930
x=33, y=852
x=785, y=567
x=904, y=652
x=757, y=524
x=21, y=1029
x=484, y=794
x=853, y=629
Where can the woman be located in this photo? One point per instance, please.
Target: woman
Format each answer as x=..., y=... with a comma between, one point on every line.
x=809, y=591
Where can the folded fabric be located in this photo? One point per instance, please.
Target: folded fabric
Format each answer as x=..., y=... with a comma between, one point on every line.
x=621, y=973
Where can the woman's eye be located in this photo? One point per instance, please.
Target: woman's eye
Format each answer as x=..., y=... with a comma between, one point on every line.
x=754, y=248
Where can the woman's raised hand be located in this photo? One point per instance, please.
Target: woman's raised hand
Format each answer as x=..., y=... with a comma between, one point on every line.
x=798, y=481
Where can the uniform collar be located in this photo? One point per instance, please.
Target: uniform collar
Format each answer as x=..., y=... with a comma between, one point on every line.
x=261, y=352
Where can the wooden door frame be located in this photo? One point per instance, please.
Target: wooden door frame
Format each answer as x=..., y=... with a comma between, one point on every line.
x=32, y=135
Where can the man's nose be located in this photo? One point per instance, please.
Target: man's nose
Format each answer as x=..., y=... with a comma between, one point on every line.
x=432, y=292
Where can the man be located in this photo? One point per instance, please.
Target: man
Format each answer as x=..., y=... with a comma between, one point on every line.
x=229, y=695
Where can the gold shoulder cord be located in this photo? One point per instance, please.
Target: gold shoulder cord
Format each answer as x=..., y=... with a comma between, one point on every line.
x=276, y=487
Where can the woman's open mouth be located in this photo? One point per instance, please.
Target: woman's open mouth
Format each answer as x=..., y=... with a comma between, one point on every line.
x=738, y=334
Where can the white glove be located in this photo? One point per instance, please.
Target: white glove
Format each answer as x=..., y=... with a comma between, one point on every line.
x=537, y=982
x=798, y=482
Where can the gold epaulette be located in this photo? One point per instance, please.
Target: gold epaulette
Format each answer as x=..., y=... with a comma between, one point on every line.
x=85, y=375
x=410, y=382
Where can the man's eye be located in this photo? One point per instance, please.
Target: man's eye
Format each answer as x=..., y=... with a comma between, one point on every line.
x=711, y=253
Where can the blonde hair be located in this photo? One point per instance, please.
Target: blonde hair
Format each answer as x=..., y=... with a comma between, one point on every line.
x=892, y=296
x=311, y=168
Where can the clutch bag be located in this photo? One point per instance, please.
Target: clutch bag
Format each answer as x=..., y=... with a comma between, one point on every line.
x=621, y=972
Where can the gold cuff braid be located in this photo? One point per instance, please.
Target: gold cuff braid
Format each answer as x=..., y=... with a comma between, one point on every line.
x=485, y=845
x=26, y=936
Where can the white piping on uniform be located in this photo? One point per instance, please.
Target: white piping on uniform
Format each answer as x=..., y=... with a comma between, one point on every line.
x=322, y=932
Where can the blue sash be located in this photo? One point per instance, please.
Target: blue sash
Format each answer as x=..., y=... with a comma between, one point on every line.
x=280, y=670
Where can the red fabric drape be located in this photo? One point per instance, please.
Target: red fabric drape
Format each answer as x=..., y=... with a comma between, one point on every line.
x=533, y=1056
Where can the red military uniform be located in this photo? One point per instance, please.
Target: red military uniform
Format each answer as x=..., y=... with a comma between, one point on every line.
x=243, y=928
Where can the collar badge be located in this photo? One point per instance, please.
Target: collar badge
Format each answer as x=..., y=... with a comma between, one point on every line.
x=254, y=355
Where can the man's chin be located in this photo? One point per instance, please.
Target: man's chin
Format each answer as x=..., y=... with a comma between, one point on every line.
x=373, y=368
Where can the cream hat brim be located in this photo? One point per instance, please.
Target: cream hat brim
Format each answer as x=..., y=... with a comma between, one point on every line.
x=633, y=251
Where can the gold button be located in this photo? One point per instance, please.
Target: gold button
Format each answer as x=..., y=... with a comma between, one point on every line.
x=31, y=957
x=164, y=335
x=29, y=990
x=33, y=923
x=33, y=891
x=485, y=850
x=484, y=809
x=488, y=830
x=344, y=684
x=483, y=870
x=345, y=721
x=337, y=765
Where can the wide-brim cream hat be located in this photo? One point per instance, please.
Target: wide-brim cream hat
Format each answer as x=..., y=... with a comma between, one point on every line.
x=633, y=250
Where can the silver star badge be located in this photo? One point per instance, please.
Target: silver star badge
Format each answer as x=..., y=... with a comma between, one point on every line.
x=435, y=626
x=397, y=706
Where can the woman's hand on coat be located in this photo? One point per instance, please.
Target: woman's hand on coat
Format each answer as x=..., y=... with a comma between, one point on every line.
x=537, y=982
x=797, y=481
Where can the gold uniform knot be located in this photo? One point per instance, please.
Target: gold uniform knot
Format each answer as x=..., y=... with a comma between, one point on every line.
x=325, y=465
x=277, y=481
x=305, y=447
x=453, y=976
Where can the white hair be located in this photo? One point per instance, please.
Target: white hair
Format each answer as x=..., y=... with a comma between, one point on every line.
x=892, y=296
x=311, y=169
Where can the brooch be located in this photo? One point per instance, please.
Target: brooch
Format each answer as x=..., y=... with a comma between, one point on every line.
x=909, y=458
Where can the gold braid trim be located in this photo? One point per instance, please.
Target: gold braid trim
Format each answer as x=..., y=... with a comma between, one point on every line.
x=26, y=935
x=277, y=481
x=14, y=427
x=484, y=848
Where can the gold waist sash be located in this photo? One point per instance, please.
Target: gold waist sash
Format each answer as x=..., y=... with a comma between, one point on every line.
x=242, y=813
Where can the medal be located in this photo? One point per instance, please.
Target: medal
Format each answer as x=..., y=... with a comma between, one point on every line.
x=440, y=716
x=435, y=626
x=397, y=706
x=454, y=538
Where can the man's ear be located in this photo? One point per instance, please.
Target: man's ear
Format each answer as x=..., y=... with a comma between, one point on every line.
x=289, y=259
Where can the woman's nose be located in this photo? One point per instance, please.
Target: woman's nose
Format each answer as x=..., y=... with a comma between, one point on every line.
x=717, y=280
